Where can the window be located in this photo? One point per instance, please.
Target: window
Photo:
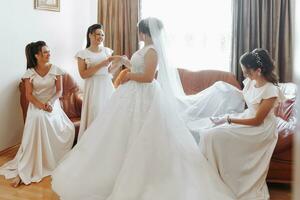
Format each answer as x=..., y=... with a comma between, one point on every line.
x=199, y=31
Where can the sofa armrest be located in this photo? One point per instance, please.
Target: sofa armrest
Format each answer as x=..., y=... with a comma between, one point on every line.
x=23, y=101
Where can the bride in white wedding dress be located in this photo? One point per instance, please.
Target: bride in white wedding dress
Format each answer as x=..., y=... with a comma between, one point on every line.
x=139, y=148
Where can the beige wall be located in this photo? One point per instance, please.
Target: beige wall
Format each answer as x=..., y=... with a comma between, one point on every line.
x=20, y=24
x=296, y=73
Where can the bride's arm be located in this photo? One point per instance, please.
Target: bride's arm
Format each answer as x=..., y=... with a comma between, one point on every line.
x=150, y=69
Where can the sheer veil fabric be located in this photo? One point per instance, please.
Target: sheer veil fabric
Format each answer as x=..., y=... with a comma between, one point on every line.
x=189, y=107
x=168, y=76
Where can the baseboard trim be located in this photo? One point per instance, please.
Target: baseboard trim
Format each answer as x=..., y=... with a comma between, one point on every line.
x=9, y=149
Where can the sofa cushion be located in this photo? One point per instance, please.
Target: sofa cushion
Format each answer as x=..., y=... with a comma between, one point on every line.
x=194, y=82
x=286, y=123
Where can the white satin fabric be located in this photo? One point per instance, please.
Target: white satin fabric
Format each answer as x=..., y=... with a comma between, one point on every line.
x=241, y=154
x=97, y=88
x=47, y=136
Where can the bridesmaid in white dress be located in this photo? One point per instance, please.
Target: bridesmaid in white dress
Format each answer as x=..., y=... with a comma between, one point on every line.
x=139, y=148
x=94, y=65
x=48, y=133
x=240, y=146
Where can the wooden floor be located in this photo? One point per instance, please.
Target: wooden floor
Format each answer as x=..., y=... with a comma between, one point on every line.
x=42, y=190
x=35, y=191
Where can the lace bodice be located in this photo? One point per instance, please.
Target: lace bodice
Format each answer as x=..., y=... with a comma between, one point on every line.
x=137, y=59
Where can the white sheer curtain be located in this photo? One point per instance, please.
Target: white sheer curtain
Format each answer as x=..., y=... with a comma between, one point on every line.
x=199, y=31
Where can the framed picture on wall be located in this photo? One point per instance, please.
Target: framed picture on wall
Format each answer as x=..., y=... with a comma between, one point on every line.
x=52, y=5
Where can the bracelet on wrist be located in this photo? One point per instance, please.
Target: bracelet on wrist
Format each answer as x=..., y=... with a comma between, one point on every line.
x=228, y=120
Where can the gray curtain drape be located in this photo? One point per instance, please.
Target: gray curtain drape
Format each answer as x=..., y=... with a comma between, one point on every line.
x=263, y=24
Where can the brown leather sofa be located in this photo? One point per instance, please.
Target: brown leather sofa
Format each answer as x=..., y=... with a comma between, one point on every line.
x=71, y=101
x=281, y=164
x=280, y=169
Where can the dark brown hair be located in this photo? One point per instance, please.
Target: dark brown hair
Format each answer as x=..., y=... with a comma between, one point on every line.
x=144, y=27
x=92, y=29
x=260, y=58
x=31, y=50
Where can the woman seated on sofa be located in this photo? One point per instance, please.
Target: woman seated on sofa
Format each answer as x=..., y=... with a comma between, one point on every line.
x=240, y=146
x=48, y=133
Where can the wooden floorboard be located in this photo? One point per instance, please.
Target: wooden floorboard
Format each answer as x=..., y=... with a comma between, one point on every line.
x=43, y=191
x=34, y=191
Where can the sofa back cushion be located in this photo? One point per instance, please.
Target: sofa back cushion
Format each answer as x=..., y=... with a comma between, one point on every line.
x=196, y=81
x=286, y=122
x=285, y=109
x=71, y=99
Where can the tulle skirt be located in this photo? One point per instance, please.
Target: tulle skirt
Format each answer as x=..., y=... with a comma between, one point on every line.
x=138, y=148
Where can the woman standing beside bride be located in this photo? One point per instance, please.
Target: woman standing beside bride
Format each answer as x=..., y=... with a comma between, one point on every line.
x=95, y=65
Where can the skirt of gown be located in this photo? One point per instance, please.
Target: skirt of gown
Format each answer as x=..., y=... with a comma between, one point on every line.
x=47, y=137
x=239, y=154
x=137, y=149
x=244, y=165
x=97, y=92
